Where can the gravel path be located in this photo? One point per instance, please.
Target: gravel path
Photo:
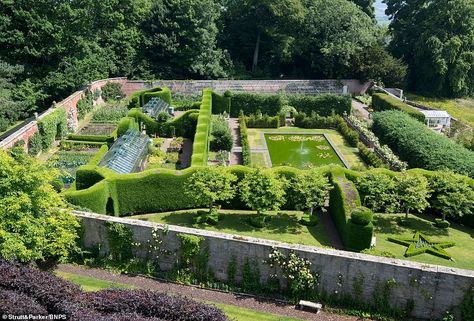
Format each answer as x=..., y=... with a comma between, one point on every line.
x=205, y=295
x=236, y=153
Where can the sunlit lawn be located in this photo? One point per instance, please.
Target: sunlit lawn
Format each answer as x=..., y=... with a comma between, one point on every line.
x=258, y=159
x=233, y=312
x=283, y=226
x=460, y=108
x=462, y=253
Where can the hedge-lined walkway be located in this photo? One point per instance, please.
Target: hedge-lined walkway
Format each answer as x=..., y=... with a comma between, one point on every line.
x=236, y=153
x=247, y=302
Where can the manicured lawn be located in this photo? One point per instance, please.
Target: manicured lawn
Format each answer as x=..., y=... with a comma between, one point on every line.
x=350, y=154
x=233, y=312
x=462, y=253
x=258, y=159
x=90, y=283
x=283, y=226
x=461, y=108
x=300, y=150
x=240, y=314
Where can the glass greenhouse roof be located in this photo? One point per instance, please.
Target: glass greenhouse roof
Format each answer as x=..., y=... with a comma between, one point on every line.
x=127, y=154
x=156, y=106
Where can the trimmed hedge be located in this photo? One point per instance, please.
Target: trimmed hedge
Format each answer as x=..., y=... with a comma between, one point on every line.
x=221, y=103
x=362, y=216
x=244, y=141
x=93, y=138
x=419, y=146
x=69, y=144
x=251, y=103
x=184, y=125
x=87, y=176
x=354, y=236
x=140, y=98
x=201, y=138
x=262, y=121
x=95, y=160
x=382, y=101
x=323, y=105
x=314, y=121
x=369, y=157
x=125, y=124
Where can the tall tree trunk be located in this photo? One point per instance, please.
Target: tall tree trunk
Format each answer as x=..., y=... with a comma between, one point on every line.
x=311, y=211
x=211, y=206
x=406, y=214
x=256, y=52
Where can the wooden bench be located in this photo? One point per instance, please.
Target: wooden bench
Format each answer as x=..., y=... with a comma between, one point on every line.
x=308, y=305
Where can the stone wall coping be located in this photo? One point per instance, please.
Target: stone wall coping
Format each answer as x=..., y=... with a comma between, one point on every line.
x=297, y=247
x=17, y=133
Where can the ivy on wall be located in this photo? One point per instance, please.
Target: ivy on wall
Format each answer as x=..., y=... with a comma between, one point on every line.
x=52, y=126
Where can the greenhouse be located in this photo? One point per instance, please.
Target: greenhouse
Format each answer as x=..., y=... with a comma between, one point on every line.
x=156, y=106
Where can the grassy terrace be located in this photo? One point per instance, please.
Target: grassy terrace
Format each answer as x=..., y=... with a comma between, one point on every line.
x=462, y=109
x=233, y=312
x=283, y=226
x=255, y=140
x=462, y=253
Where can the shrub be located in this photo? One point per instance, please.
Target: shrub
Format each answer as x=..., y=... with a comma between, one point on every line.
x=419, y=146
x=125, y=124
x=262, y=121
x=314, y=121
x=25, y=289
x=250, y=103
x=93, y=138
x=362, y=215
x=85, y=104
x=382, y=101
x=34, y=144
x=323, y=105
x=369, y=157
x=221, y=136
x=442, y=223
x=112, y=91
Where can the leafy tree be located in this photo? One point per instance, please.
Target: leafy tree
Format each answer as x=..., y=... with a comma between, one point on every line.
x=211, y=184
x=331, y=36
x=311, y=188
x=262, y=190
x=367, y=6
x=375, y=63
x=180, y=39
x=255, y=28
x=436, y=40
x=34, y=224
x=378, y=192
x=412, y=192
x=452, y=196
x=11, y=109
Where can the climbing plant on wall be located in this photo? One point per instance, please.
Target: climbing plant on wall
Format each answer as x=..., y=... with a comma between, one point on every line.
x=52, y=126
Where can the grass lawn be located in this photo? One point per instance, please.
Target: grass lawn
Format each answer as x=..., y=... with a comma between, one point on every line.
x=461, y=108
x=233, y=312
x=283, y=226
x=258, y=159
x=462, y=253
x=350, y=154
x=92, y=284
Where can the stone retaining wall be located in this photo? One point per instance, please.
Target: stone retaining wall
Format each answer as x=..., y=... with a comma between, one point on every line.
x=308, y=87
x=433, y=289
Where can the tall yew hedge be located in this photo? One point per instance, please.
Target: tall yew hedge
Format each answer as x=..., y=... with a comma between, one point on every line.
x=419, y=146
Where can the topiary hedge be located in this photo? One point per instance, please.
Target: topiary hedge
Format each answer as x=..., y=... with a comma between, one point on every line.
x=221, y=103
x=140, y=98
x=369, y=157
x=93, y=138
x=362, y=216
x=95, y=160
x=323, y=105
x=382, y=101
x=419, y=146
x=343, y=200
x=125, y=124
x=201, y=138
x=251, y=103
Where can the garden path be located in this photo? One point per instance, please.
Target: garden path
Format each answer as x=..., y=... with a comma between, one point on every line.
x=361, y=109
x=236, y=152
x=331, y=231
x=244, y=301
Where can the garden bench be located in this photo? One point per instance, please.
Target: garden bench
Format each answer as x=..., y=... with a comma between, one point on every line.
x=302, y=305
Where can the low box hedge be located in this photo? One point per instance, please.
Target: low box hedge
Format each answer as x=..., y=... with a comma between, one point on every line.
x=382, y=101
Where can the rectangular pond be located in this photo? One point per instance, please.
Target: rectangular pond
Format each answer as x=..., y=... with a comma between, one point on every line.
x=301, y=150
